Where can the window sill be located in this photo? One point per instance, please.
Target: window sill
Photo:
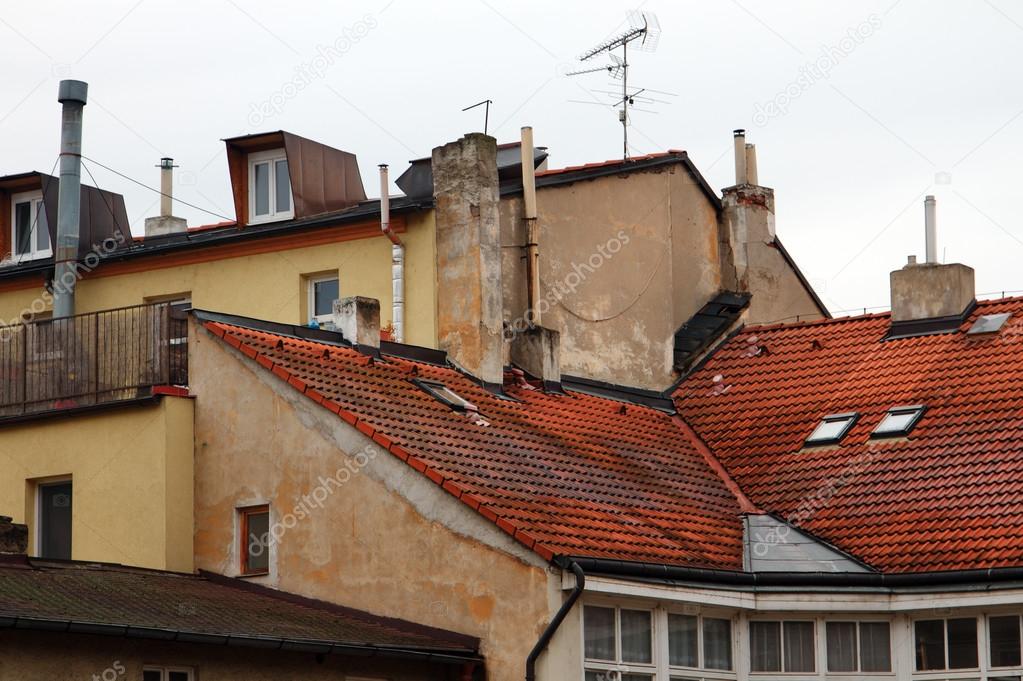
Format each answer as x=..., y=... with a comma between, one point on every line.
x=280, y=217
x=247, y=575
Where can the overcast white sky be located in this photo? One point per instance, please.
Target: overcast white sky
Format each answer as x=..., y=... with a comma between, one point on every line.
x=924, y=99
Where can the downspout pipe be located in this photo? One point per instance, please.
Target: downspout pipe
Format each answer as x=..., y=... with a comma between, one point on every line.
x=397, y=260
x=72, y=94
x=559, y=617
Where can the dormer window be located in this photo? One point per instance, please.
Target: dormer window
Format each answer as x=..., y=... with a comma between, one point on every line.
x=832, y=429
x=30, y=233
x=269, y=187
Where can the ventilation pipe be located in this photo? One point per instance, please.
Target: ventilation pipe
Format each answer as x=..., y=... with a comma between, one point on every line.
x=741, y=175
x=397, y=260
x=532, y=229
x=751, y=164
x=166, y=186
x=72, y=94
x=930, y=230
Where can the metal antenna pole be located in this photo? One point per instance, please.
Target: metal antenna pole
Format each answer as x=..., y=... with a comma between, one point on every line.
x=486, y=115
x=625, y=101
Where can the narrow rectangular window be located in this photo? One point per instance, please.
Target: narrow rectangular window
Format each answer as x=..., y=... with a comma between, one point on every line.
x=682, y=641
x=962, y=643
x=55, y=520
x=261, y=188
x=875, y=647
x=1005, y=641
x=282, y=187
x=841, y=640
x=637, y=636
x=599, y=632
x=42, y=228
x=255, y=534
x=23, y=228
x=765, y=646
x=717, y=643
x=930, y=644
x=799, y=646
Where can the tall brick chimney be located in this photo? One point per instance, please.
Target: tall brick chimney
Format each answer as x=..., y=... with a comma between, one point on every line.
x=13, y=536
x=748, y=215
x=470, y=308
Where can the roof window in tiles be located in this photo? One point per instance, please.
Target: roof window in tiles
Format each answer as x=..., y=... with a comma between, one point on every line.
x=898, y=421
x=832, y=429
x=989, y=323
x=446, y=395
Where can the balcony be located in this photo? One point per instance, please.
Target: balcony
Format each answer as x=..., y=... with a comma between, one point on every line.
x=92, y=359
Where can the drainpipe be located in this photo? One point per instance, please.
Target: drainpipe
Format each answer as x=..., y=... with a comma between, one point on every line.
x=72, y=94
x=397, y=260
x=532, y=229
x=559, y=617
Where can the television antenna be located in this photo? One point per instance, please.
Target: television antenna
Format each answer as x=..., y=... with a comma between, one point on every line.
x=486, y=115
x=643, y=34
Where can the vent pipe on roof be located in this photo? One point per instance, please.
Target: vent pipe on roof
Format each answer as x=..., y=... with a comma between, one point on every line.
x=165, y=222
x=529, y=214
x=931, y=230
x=741, y=174
x=72, y=94
x=751, y=164
x=397, y=260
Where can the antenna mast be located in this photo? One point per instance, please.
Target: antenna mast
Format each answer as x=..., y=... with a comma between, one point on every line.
x=486, y=115
x=644, y=28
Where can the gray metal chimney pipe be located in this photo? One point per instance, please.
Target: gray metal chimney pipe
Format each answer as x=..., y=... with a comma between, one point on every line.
x=72, y=94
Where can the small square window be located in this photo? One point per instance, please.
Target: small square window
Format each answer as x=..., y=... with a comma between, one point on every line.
x=898, y=421
x=832, y=429
x=323, y=291
x=30, y=234
x=254, y=532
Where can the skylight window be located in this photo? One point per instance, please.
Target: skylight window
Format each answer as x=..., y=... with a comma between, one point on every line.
x=832, y=429
x=898, y=421
x=446, y=395
x=989, y=323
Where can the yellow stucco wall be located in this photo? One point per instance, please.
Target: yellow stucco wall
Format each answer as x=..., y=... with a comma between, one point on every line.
x=270, y=285
x=387, y=540
x=131, y=474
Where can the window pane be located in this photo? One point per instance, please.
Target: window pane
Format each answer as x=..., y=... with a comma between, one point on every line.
x=962, y=643
x=282, y=189
x=841, y=646
x=799, y=647
x=875, y=647
x=22, y=228
x=1005, y=641
x=324, y=295
x=55, y=523
x=599, y=626
x=717, y=643
x=42, y=228
x=930, y=644
x=261, y=187
x=636, y=636
x=765, y=646
x=177, y=676
x=151, y=675
x=682, y=651
x=257, y=542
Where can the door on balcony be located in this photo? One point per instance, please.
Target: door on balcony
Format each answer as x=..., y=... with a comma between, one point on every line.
x=54, y=538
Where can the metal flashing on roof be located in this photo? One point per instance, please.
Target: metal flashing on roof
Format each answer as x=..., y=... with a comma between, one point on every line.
x=929, y=327
x=709, y=324
x=620, y=393
x=989, y=323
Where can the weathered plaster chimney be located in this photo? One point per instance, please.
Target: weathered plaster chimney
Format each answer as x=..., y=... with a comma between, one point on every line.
x=13, y=536
x=931, y=292
x=165, y=222
x=470, y=307
x=748, y=213
x=358, y=320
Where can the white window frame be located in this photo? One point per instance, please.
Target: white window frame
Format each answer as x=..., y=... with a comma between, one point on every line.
x=35, y=201
x=269, y=157
x=818, y=646
x=986, y=652
x=617, y=665
x=702, y=670
x=311, y=296
x=983, y=649
x=822, y=639
x=165, y=671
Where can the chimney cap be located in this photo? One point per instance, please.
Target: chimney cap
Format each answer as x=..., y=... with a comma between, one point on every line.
x=72, y=91
x=739, y=132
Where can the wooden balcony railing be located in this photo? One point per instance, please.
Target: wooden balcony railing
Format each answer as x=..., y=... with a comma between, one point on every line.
x=92, y=359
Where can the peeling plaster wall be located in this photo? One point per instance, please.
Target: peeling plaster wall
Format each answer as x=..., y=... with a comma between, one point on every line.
x=618, y=311
x=388, y=540
x=49, y=656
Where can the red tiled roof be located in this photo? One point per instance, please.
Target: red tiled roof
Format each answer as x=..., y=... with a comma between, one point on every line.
x=611, y=163
x=949, y=496
x=87, y=594
x=563, y=474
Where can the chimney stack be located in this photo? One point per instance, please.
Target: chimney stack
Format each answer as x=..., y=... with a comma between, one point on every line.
x=741, y=174
x=166, y=223
x=470, y=304
x=358, y=320
x=931, y=292
x=537, y=351
x=72, y=94
x=13, y=536
x=748, y=216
